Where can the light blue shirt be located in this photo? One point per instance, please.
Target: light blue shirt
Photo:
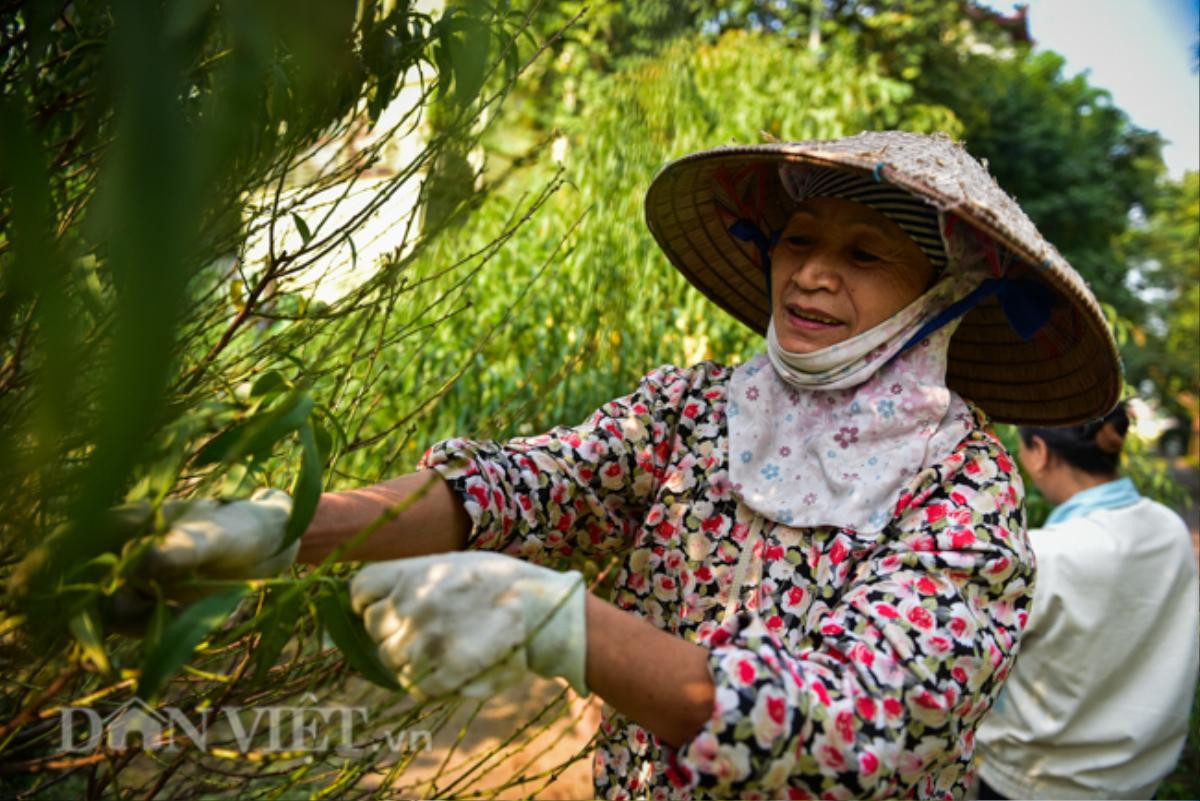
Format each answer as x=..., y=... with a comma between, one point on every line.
x=1111, y=495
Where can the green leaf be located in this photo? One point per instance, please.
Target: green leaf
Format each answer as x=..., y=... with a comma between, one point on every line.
x=388, y=56
x=88, y=634
x=324, y=442
x=441, y=59
x=93, y=569
x=302, y=227
x=160, y=617
x=267, y=384
x=468, y=56
x=237, y=294
x=180, y=638
x=278, y=624
x=350, y=636
x=259, y=434
x=307, y=491
x=338, y=435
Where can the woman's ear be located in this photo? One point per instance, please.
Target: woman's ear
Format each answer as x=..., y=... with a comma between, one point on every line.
x=1037, y=455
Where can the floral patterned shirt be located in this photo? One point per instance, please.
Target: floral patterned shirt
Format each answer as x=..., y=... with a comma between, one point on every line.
x=854, y=666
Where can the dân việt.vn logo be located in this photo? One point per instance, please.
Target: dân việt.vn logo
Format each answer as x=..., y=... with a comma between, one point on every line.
x=267, y=729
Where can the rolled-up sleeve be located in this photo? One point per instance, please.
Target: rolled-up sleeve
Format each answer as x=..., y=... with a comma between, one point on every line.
x=585, y=488
x=881, y=696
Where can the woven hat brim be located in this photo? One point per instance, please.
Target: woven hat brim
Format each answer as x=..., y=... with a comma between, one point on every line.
x=1068, y=373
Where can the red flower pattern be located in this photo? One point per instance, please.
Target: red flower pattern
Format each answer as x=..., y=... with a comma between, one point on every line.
x=830, y=614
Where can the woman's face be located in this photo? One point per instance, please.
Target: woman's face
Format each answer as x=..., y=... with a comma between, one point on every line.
x=839, y=269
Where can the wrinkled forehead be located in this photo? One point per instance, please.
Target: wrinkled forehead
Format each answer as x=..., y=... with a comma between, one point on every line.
x=803, y=183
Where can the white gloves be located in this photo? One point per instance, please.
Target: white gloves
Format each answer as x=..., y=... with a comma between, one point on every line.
x=217, y=540
x=473, y=622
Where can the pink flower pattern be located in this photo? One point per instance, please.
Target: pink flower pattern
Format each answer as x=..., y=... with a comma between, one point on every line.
x=846, y=436
x=858, y=666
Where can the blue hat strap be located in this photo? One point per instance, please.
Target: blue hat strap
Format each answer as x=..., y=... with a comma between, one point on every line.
x=747, y=231
x=1026, y=304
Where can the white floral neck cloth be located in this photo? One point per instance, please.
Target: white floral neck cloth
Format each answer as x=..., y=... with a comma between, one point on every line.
x=852, y=361
x=831, y=438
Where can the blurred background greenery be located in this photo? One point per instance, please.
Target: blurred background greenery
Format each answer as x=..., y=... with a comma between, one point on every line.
x=294, y=243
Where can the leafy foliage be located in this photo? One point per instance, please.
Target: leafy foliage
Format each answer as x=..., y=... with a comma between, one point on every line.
x=1164, y=253
x=176, y=180
x=618, y=130
x=1075, y=161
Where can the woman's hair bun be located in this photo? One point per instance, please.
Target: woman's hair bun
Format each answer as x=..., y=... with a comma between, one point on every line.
x=1094, y=447
x=1109, y=439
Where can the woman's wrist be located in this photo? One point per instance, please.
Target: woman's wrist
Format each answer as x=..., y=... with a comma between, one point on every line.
x=657, y=680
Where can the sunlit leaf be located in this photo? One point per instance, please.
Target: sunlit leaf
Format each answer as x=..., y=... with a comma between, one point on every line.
x=258, y=435
x=86, y=628
x=302, y=227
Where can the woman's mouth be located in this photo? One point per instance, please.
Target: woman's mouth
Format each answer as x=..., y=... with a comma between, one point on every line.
x=810, y=319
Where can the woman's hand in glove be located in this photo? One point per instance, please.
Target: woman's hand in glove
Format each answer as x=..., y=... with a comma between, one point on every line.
x=238, y=540
x=205, y=540
x=473, y=622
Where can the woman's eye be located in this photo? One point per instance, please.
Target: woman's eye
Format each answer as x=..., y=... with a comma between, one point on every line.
x=799, y=240
x=863, y=255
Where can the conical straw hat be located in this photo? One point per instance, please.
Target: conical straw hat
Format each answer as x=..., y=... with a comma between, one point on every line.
x=1066, y=373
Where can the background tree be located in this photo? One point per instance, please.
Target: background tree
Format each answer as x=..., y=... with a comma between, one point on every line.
x=1078, y=165
x=1163, y=253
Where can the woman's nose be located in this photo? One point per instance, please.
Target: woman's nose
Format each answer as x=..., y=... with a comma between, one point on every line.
x=819, y=269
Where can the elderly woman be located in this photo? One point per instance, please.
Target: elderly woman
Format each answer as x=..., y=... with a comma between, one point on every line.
x=823, y=567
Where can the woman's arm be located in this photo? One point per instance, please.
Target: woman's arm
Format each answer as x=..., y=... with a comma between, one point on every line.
x=435, y=523
x=540, y=498
x=655, y=679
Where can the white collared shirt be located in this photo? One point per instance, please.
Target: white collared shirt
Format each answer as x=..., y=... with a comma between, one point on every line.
x=1098, y=703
